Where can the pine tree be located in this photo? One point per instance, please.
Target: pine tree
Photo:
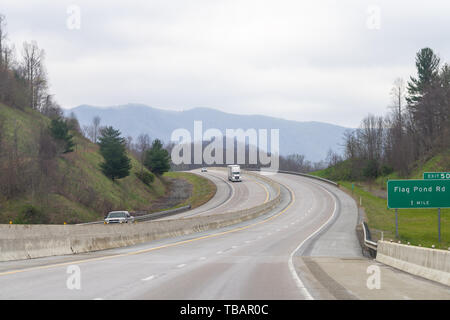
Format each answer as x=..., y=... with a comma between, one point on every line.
x=117, y=165
x=59, y=130
x=427, y=64
x=157, y=159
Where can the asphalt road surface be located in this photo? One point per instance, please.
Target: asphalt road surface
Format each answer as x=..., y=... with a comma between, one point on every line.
x=306, y=248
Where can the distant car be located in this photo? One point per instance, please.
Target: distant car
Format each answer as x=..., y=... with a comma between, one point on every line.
x=119, y=217
x=204, y=170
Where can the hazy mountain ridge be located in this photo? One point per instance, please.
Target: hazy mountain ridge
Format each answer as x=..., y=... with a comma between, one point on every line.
x=313, y=139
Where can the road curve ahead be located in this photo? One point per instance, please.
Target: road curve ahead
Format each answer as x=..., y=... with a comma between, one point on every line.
x=258, y=259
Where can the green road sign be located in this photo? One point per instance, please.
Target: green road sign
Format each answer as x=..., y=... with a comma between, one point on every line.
x=403, y=194
x=436, y=175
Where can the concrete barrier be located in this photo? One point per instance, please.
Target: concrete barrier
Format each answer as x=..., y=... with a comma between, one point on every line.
x=432, y=264
x=18, y=242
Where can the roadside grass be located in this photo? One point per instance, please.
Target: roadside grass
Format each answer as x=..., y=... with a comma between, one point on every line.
x=203, y=189
x=417, y=226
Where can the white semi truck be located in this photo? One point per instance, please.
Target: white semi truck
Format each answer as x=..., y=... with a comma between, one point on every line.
x=234, y=173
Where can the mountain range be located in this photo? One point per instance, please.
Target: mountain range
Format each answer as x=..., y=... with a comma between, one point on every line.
x=312, y=139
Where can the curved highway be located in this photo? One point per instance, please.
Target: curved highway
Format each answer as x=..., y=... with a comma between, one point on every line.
x=230, y=196
x=306, y=248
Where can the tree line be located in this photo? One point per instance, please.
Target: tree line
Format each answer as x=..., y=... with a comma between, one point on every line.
x=114, y=148
x=417, y=127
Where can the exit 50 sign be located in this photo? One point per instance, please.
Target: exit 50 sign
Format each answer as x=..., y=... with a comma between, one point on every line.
x=404, y=194
x=436, y=175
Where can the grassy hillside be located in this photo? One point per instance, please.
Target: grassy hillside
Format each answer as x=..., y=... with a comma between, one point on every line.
x=75, y=190
x=417, y=226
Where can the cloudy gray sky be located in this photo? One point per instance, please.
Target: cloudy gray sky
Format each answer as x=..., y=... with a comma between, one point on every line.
x=331, y=61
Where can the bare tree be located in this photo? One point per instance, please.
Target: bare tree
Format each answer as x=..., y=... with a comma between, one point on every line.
x=88, y=132
x=333, y=158
x=34, y=72
x=2, y=37
x=143, y=144
x=95, y=128
x=398, y=95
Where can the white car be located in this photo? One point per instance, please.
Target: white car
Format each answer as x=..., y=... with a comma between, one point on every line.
x=119, y=217
x=204, y=170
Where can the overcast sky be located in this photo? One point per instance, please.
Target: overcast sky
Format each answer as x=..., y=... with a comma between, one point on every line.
x=330, y=61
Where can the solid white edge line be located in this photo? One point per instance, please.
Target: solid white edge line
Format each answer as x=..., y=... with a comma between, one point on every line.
x=148, y=278
x=297, y=279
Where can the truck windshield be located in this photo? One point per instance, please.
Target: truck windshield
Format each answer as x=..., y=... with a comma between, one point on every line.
x=116, y=215
x=236, y=172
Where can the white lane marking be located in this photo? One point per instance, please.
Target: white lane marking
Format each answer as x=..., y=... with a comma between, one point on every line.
x=292, y=223
x=219, y=252
x=269, y=234
x=278, y=230
x=297, y=280
x=148, y=278
x=248, y=241
x=202, y=258
x=97, y=299
x=181, y=265
x=234, y=247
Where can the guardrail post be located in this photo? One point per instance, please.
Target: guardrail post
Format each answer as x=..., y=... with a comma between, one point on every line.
x=396, y=223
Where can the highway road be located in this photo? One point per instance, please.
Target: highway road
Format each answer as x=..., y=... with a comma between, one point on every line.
x=230, y=196
x=306, y=248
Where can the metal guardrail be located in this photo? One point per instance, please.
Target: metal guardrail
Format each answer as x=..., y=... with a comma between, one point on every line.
x=148, y=217
x=157, y=215
x=367, y=238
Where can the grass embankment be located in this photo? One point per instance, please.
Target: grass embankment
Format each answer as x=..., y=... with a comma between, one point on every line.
x=417, y=226
x=202, y=189
x=75, y=190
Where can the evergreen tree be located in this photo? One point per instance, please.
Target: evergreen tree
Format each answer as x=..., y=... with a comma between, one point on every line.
x=427, y=64
x=59, y=130
x=117, y=165
x=157, y=159
x=421, y=93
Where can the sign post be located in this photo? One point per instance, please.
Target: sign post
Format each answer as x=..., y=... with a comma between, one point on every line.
x=415, y=194
x=396, y=223
x=437, y=175
x=439, y=224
